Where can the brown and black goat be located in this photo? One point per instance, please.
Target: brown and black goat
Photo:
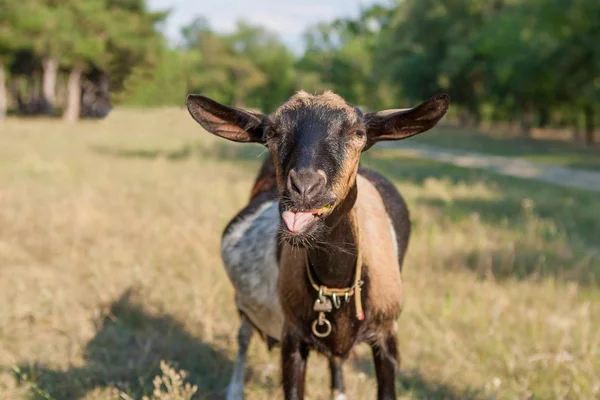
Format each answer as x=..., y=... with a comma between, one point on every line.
x=316, y=256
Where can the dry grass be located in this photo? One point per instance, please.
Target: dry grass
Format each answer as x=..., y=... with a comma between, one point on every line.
x=109, y=263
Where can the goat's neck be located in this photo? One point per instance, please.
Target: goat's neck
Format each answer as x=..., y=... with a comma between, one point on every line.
x=333, y=259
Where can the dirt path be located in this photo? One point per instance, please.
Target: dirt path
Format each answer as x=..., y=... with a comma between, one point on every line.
x=511, y=166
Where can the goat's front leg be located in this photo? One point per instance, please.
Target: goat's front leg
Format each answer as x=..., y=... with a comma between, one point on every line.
x=385, y=355
x=235, y=390
x=294, y=353
x=337, y=378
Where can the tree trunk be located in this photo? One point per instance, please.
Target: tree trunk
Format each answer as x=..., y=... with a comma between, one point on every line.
x=589, y=124
x=477, y=118
x=544, y=117
x=73, y=109
x=61, y=91
x=50, y=66
x=526, y=121
x=570, y=119
x=31, y=94
x=3, y=95
x=463, y=117
x=576, y=137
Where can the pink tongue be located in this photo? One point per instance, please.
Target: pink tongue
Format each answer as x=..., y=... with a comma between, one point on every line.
x=296, y=221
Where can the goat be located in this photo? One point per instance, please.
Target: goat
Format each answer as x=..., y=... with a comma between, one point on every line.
x=318, y=233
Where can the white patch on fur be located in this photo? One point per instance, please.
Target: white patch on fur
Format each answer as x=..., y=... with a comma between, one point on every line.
x=394, y=238
x=339, y=396
x=248, y=251
x=237, y=232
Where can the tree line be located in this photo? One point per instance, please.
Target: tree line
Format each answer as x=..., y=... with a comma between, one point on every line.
x=57, y=55
x=532, y=63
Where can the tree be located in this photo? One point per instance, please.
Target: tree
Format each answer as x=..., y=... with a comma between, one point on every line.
x=131, y=39
x=273, y=61
x=225, y=70
x=86, y=44
x=11, y=39
x=343, y=55
x=6, y=36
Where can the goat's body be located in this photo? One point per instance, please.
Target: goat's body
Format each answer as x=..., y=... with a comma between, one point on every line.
x=382, y=249
x=249, y=249
x=317, y=222
x=249, y=252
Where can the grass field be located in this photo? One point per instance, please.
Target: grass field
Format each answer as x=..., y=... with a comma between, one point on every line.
x=554, y=152
x=109, y=263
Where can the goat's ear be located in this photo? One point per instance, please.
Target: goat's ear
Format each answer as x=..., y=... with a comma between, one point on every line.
x=401, y=124
x=224, y=121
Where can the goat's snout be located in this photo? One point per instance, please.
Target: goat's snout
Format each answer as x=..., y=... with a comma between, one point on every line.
x=306, y=185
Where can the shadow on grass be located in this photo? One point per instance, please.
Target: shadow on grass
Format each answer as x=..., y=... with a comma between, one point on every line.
x=418, y=386
x=126, y=352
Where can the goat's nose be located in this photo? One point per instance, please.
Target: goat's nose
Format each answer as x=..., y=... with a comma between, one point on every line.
x=306, y=184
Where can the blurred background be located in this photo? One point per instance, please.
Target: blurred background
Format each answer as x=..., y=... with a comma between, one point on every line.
x=112, y=199
x=522, y=64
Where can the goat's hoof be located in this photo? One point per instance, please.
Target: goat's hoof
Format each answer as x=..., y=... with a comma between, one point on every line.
x=235, y=391
x=336, y=395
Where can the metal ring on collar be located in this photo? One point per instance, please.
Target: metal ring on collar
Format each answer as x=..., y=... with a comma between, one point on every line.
x=336, y=301
x=327, y=328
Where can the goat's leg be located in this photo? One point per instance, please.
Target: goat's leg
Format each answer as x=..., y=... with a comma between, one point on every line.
x=235, y=390
x=294, y=353
x=385, y=355
x=337, y=378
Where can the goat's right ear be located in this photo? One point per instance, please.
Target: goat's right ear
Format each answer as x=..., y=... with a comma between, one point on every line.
x=224, y=121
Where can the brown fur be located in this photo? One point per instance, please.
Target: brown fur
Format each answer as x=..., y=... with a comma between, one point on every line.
x=395, y=207
x=326, y=100
x=347, y=176
x=382, y=292
x=378, y=252
x=266, y=180
x=329, y=101
x=297, y=298
x=320, y=133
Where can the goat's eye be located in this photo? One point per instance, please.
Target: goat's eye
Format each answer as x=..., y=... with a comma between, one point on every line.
x=269, y=134
x=360, y=133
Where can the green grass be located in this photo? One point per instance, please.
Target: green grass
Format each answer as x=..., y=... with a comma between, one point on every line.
x=109, y=258
x=554, y=152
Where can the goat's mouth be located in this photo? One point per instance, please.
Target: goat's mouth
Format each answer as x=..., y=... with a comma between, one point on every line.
x=300, y=221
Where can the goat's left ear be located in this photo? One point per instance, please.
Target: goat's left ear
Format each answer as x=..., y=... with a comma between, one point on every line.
x=401, y=124
x=224, y=121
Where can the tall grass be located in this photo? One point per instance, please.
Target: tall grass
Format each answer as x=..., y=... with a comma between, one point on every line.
x=109, y=264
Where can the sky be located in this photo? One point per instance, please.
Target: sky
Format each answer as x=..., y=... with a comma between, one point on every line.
x=288, y=18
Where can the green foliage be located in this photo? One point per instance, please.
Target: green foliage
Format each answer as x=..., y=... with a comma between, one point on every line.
x=13, y=20
x=249, y=67
x=160, y=84
x=342, y=55
x=113, y=35
x=132, y=40
x=531, y=60
x=273, y=61
x=534, y=61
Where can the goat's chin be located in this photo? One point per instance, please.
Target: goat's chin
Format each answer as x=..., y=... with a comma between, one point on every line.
x=307, y=238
